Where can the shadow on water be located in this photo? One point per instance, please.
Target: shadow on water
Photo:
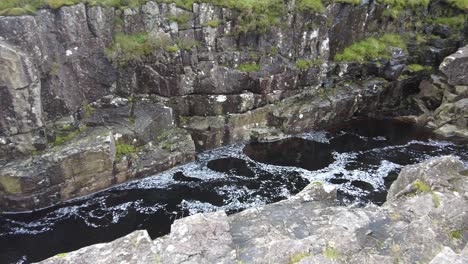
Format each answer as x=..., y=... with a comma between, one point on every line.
x=362, y=158
x=297, y=152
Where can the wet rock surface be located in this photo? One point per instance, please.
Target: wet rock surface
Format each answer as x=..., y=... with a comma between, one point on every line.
x=307, y=228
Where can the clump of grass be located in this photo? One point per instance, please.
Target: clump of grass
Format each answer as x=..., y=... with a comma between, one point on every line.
x=310, y=6
x=187, y=44
x=25, y=7
x=54, y=69
x=460, y=4
x=353, y=2
x=435, y=199
x=405, y=3
x=306, y=64
x=456, y=22
x=418, y=68
x=88, y=110
x=331, y=253
x=397, y=6
x=67, y=133
x=184, y=4
x=54, y=4
x=258, y=16
x=211, y=23
x=295, y=258
x=371, y=48
x=126, y=48
x=421, y=187
x=248, y=67
x=172, y=49
x=181, y=19
x=456, y=234
x=122, y=149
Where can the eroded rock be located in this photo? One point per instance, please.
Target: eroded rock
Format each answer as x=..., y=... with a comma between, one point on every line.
x=82, y=166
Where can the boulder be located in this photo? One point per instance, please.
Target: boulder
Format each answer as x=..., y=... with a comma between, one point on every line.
x=79, y=167
x=455, y=67
x=430, y=96
x=448, y=256
x=202, y=238
x=434, y=173
x=137, y=247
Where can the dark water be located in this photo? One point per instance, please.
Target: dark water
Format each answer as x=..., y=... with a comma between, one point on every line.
x=362, y=158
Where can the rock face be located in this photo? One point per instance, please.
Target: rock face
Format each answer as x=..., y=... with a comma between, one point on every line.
x=83, y=166
x=415, y=225
x=201, y=85
x=455, y=67
x=444, y=99
x=21, y=108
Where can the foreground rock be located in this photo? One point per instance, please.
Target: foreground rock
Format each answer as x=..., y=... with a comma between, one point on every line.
x=424, y=220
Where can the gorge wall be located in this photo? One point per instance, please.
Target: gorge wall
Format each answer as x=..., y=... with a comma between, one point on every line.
x=93, y=96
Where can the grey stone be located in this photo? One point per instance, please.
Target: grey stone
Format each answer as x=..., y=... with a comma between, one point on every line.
x=79, y=167
x=435, y=173
x=455, y=67
x=448, y=256
x=138, y=243
x=202, y=238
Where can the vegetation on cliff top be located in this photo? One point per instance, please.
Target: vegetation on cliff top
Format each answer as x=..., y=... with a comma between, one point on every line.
x=266, y=11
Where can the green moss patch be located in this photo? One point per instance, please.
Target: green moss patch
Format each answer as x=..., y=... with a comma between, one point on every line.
x=295, y=258
x=10, y=184
x=248, y=67
x=67, y=133
x=460, y=4
x=421, y=187
x=211, y=23
x=331, y=253
x=456, y=22
x=456, y=234
x=122, y=149
x=306, y=64
x=371, y=48
x=397, y=6
x=126, y=48
x=418, y=68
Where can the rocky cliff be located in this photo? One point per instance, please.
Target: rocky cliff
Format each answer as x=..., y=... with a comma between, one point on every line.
x=93, y=95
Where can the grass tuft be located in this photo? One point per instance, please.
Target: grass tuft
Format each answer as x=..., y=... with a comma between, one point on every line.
x=371, y=48
x=418, y=68
x=295, y=258
x=248, y=67
x=122, y=150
